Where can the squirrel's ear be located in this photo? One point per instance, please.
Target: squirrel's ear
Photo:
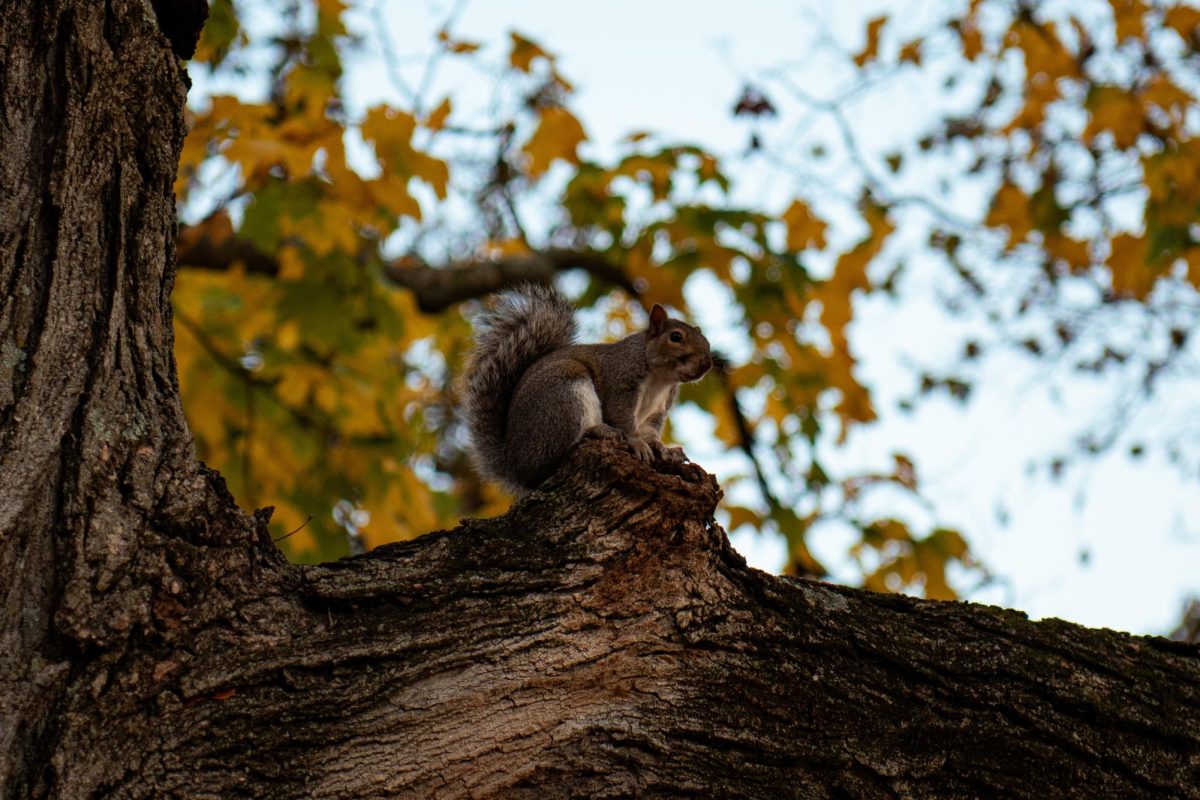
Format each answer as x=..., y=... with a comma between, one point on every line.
x=658, y=318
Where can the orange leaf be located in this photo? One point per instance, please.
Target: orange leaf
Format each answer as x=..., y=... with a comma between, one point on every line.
x=524, y=51
x=454, y=45
x=1075, y=254
x=557, y=136
x=1130, y=273
x=391, y=131
x=739, y=515
x=871, y=50
x=437, y=118
x=972, y=39
x=1116, y=111
x=1128, y=16
x=1183, y=20
x=1044, y=51
x=803, y=229
x=1010, y=208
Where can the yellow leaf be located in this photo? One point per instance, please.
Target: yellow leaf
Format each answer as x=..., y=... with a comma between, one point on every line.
x=871, y=50
x=291, y=264
x=297, y=383
x=660, y=285
x=257, y=155
x=1075, y=254
x=392, y=131
x=333, y=8
x=1044, y=51
x=1128, y=16
x=434, y=172
x=288, y=335
x=454, y=45
x=308, y=90
x=836, y=297
x=524, y=51
x=437, y=118
x=1166, y=94
x=906, y=473
x=972, y=39
x=911, y=52
x=1130, y=273
x=934, y=569
x=950, y=544
x=803, y=229
x=739, y=516
x=1116, y=111
x=1010, y=208
x=1183, y=20
x=557, y=136
x=498, y=249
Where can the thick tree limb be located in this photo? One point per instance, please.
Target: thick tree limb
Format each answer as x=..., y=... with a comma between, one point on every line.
x=436, y=289
x=602, y=639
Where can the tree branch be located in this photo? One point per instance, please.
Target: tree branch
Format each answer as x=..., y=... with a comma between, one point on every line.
x=603, y=639
x=215, y=247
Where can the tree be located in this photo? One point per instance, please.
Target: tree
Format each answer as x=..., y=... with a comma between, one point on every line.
x=600, y=638
x=291, y=217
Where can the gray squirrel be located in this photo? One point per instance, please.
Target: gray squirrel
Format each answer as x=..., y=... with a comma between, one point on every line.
x=532, y=392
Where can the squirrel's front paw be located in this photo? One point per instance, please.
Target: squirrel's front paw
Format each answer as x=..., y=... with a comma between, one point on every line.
x=641, y=451
x=662, y=452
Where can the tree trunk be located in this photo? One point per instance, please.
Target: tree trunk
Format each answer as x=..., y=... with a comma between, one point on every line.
x=601, y=639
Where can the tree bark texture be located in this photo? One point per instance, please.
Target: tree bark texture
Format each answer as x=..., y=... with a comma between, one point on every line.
x=599, y=640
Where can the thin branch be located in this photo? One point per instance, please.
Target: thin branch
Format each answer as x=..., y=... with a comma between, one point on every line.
x=391, y=61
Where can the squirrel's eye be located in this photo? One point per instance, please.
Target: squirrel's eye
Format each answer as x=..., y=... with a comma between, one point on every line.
x=676, y=336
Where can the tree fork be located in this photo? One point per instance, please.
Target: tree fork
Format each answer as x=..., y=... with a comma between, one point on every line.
x=600, y=639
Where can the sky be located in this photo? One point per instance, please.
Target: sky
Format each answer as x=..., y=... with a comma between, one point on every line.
x=1115, y=544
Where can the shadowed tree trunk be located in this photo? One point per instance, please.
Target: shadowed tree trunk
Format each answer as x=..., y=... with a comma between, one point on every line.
x=601, y=639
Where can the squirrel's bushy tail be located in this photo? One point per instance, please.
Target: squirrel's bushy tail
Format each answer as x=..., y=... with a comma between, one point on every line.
x=523, y=325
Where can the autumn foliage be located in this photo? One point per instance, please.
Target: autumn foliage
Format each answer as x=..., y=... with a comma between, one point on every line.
x=320, y=378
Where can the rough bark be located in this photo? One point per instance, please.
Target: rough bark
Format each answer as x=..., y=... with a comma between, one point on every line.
x=601, y=639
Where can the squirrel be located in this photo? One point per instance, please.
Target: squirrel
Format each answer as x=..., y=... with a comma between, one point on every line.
x=531, y=392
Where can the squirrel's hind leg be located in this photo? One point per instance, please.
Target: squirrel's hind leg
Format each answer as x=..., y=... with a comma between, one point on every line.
x=545, y=419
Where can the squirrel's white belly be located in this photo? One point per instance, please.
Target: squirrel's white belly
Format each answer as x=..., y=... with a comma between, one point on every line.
x=589, y=401
x=652, y=399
